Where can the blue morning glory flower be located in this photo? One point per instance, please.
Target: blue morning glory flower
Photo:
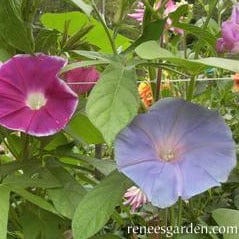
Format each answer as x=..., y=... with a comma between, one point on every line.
x=176, y=149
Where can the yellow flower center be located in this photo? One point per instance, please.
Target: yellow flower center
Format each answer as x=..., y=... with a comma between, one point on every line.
x=36, y=100
x=167, y=155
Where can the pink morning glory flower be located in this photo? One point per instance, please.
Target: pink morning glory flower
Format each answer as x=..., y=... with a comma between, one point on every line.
x=135, y=197
x=32, y=97
x=176, y=149
x=229, y=42
x=82, y=79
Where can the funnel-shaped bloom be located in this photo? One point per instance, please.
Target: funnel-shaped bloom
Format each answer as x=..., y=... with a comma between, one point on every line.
x=81, y=79
x=176, y=149
x=32, y=98
x=229, y=42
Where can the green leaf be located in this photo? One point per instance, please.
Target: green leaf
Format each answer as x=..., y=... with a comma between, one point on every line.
x=38, y=223
x=114, y=100
x=227, y=64
x=149, y=33
x=200, y=33
x=176, y=15
x=8, y=168
x=151, y=50
x=96, y=36
x=77, y=39
x=83, y=64
x=37, y=200
x=95, y=55
x=83, y=6
x=104, y=166
x=16, y=143
x=106, y=236
x=41, y=178
x=4, y=55
x=46, y=41
x=66, y=198
x=81, y=128
x=55, y=141
x=212, y=27
x=227, y=218
x=4, y=207
x=12, y=28
x=95, y=209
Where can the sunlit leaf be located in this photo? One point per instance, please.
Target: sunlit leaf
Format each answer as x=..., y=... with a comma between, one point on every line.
x=114, y=100
x=96, y=36
x=151, y=50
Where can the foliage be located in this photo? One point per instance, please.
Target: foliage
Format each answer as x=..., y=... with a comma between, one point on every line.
x=67, y=184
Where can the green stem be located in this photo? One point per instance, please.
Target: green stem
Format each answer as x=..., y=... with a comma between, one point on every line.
x=212, y=8
x=165, y=66
x=150, y=8
x=25, y=152
x=192, y=81
x=180, y=211
x=159, y=76
x=98, y=155
x=185, y=45
x=102, y=21
x=172, y=216
x=166, y=217
x=158, y=84
x=190, y=90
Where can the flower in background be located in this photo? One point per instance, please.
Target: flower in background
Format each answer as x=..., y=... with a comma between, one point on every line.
x=176, y=149
x=229, y=42
x=138, y=15
x=82, y=79
x=236, y=83
x=170, y=6
x=146, y=94
x=166, y=84
x=135, y=198
x=32, y=98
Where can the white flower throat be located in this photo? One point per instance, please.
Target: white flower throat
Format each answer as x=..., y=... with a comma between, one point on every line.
x=36, y=100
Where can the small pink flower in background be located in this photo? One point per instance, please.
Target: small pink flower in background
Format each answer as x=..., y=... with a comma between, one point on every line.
x=138, y=15
x=170, y=6
x=32, y=98
x=82, y=79
x=229, y=42
x=135, y=198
